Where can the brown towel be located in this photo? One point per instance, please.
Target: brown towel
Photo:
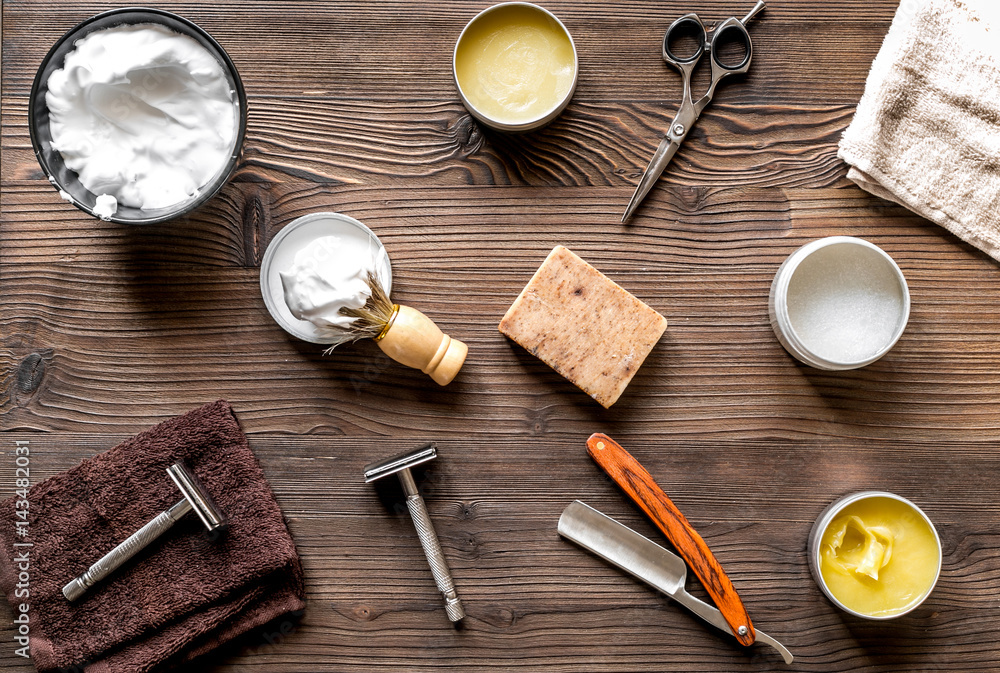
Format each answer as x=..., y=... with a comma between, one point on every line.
x=182, y=596
x=926, y=133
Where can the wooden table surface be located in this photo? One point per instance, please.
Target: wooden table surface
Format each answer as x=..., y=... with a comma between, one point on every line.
x=106, y=330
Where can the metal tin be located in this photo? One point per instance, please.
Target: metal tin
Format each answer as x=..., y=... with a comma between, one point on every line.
x=51, y=161
x=531, y=124
x=280, y=254
x=824, y=520
x=781, y=321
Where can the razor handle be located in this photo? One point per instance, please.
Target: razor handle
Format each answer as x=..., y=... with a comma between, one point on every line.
x=432, y=547
x=135, y=543
x=639, y=485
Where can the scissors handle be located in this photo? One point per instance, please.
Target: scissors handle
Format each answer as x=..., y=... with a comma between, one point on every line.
x=691, y=26
x=708, y=40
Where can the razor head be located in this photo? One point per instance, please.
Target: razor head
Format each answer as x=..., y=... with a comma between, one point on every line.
x=383, y=468
x=193, y=491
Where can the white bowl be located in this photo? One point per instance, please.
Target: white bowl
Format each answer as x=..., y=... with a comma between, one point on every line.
x=280, y=255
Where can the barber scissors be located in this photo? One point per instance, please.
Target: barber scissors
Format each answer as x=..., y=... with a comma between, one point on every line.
x=730, y=29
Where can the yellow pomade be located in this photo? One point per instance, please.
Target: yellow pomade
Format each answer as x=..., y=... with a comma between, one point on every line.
x=514, y=64
x=879, y=556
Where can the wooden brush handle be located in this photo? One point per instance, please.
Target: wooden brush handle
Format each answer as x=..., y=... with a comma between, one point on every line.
x=639, y=485
x=415, y=341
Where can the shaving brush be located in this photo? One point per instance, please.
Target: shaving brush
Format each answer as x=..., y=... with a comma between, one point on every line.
x=404, y=334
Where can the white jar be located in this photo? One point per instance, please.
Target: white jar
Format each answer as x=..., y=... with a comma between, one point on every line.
x=839, y=303
x=280, y=255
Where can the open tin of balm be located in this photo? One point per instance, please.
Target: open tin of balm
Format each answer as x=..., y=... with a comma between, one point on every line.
x=515, y=66
x=875, y=555
x=839, y=303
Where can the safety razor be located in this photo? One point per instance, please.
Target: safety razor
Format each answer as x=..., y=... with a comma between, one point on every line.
x=400, y=465
x=195, y=498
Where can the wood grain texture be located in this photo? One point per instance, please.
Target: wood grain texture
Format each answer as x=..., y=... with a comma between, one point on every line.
x=537, y=602
x=181, y=310
x=638, y=484
x=336, y=142
x=106, y=330
x=402, y=49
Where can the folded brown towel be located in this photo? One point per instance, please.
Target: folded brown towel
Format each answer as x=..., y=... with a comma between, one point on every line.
x=182, y=596
x=926, y=133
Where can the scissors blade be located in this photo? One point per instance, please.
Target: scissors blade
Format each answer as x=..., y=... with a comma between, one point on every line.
x=664, y=153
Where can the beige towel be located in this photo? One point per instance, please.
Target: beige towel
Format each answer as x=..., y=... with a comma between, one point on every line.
x=926, y=133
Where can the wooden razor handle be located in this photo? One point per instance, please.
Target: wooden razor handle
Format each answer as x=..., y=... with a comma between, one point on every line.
x=639, y=485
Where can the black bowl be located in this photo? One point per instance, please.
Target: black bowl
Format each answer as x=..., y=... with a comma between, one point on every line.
x=51, y=161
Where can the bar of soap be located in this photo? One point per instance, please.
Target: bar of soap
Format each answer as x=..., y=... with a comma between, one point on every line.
x=579, y=322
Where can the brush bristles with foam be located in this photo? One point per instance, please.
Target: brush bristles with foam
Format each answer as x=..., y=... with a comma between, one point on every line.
x=371, y=318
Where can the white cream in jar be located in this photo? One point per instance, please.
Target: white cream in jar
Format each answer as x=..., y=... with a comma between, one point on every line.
x=144, y=115
x=289, y=283
x=326, y=276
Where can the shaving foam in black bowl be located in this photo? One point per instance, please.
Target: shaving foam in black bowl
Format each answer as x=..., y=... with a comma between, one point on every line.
x=66, y=179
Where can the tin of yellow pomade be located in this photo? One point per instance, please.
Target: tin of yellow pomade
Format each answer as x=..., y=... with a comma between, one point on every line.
x=515, y=66
x=878, y=556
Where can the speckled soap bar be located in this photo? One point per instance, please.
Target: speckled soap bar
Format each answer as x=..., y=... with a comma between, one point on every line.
x=576, y=320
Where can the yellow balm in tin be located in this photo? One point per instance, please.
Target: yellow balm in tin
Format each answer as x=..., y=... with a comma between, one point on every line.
x=879, y=557
x=515, y=66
